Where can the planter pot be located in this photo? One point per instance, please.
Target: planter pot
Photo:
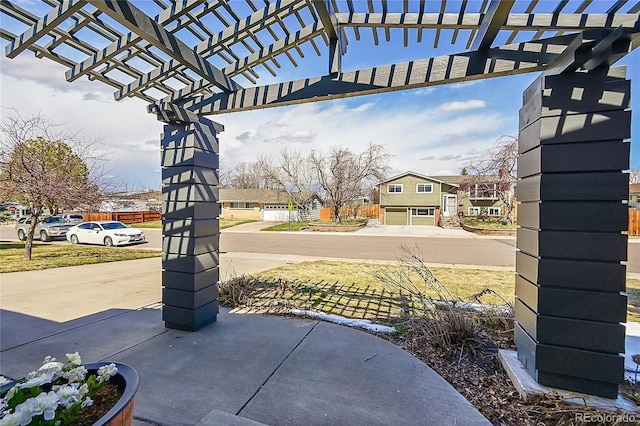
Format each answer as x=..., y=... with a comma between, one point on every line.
x=127, y=380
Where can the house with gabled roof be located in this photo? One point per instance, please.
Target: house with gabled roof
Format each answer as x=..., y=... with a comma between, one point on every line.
x=412, y=198
x=268, y=205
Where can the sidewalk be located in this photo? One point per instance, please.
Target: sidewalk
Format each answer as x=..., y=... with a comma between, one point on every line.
x=240, y=370
x=386, y=230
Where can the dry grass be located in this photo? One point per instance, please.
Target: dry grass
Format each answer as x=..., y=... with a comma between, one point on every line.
x=45, y=256
x=462, y=283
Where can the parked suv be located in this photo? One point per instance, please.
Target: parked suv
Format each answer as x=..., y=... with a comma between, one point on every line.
x=46, y=229
x=73, y=219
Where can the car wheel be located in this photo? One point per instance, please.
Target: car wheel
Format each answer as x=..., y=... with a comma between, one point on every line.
x=21, y=235
x=108, y=242
x=43, y=236
x=74, y=239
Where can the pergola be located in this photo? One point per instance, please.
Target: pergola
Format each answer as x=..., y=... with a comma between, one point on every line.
x=193, y=58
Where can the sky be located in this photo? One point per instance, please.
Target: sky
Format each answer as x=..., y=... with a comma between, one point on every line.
x=432, y=131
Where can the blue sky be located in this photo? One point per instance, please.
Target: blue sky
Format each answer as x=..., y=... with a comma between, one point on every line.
x=435, y=130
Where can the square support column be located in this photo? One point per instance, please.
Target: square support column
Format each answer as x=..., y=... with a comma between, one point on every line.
x=190, y=226
x=569, y=273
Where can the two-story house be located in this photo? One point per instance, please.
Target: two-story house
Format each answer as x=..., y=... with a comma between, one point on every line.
x=415, y=199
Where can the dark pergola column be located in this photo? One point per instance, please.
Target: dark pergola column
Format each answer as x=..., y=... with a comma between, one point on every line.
x=570, y=279
x=190, y=225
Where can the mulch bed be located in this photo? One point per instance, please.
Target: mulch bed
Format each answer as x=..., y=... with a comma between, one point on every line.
x=475, y=371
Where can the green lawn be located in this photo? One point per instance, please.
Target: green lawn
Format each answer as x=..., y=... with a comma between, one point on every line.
x=330, y=224
x=154, y=224
x=224, y=223
x=46, y=255
x=490, y=224
x=287, y=226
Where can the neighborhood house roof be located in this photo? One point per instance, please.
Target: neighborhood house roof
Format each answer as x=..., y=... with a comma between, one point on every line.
x=438, y=179
x=262, y=196
x=634, y=187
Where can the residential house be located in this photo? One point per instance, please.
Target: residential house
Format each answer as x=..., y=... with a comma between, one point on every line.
x=634, y=195
x=415, y=199
x=267, y=204
x=482, y=198
x=132, y=201
x=412, y=198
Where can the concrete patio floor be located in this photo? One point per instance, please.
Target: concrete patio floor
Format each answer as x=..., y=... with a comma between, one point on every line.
x=240, y=370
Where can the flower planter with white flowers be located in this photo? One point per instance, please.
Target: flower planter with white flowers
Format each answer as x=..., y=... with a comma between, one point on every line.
x=71, y=394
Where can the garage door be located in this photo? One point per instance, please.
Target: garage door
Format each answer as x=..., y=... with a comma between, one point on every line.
x=395, y=216
x=279, y=215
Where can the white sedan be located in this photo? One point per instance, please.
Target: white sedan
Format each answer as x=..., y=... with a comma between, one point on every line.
x=108, y=233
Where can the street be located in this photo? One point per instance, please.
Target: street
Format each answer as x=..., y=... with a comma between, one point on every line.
x=461, y=251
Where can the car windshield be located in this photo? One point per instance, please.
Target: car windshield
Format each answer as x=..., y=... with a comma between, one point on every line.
x=114, y=225
x=55, y=219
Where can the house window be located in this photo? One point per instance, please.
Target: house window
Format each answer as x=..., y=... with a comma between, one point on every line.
x=241, y=205
x=423, y=188
x=394, y=188
x=474, y=211
x=484, y=191
x=495, y=211
x=423, y=211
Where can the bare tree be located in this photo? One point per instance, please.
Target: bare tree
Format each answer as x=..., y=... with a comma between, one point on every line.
x=248, y=175
x=224, y=174
x=634, y=176
x=42, y=166
x=496, y=172
x=293, y=173
x=345, y=176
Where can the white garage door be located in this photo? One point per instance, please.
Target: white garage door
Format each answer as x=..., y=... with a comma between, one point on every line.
x=277, y=215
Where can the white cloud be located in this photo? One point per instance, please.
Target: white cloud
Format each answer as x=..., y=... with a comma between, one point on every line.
x=420, y=138
x=462, y=105
x=419, y=132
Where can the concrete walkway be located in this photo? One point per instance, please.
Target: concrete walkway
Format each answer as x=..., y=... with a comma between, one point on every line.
x=240, y=370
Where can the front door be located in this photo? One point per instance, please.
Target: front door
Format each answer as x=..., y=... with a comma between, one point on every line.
x=449, y=205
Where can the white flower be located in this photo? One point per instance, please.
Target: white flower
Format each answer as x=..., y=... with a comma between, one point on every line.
x=54, y=368
x=11, y=392
x=106, y=371
x=68, y=395
x=75, y=375
x=18, y=418
x=44, y=404
x=4, y=380
x=74, y=358
x=48, y=358
x=88, y=402
x=42, y=379
x=83, y=390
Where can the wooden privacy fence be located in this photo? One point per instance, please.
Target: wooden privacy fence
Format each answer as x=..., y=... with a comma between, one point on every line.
x=370, y=211
x=634, y=221
x=124, y=217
